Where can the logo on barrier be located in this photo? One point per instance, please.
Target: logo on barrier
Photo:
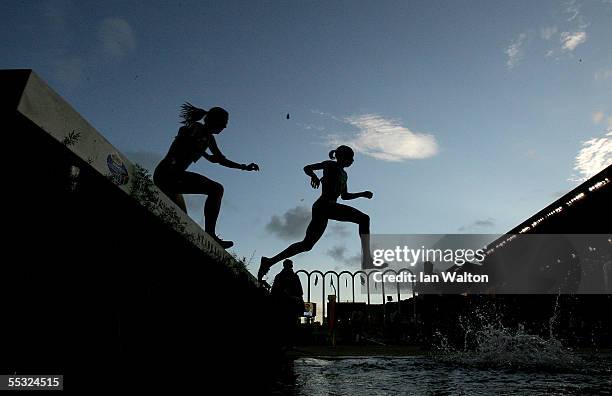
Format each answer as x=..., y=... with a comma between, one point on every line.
x=119, y=173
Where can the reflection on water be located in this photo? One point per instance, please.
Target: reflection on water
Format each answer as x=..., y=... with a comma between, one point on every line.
x=493, y=360
x=426, y=375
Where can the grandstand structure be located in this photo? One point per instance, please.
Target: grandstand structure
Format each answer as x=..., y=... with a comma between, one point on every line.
x=564, y=247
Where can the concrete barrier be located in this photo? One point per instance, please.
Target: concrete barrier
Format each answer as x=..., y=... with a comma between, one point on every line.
x=105, y=280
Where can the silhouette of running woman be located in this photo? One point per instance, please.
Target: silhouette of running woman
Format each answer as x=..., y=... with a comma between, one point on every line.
x=190, y=144
x=326, y=208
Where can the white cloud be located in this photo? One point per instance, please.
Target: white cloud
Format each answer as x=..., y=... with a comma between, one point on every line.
x=594, y=156
x=569, y=41
x=515, y=51
x=387, y=140
x=478, y=225
x=572, y=8
x=548, y=32
x=116, y=37
x=310, y=127
x=70, y=63
x=603, y=74
x=598, y=116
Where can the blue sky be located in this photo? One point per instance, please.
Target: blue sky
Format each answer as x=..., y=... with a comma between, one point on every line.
x=467, y=116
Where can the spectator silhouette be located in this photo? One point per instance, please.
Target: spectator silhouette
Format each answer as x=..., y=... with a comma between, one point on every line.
x=288, y=294
x=327, y=208
x=190, y=144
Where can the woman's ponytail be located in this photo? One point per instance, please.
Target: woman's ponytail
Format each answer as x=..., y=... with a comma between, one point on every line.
x=191, y=114
x=332, y=154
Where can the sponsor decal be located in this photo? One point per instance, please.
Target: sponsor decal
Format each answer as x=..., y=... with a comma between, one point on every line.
x=118, y=171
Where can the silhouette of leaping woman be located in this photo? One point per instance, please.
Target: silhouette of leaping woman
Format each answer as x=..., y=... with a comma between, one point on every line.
x=326, y=208
x=191, y=143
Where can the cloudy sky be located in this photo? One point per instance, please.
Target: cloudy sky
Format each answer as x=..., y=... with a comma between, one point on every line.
x=467, y=116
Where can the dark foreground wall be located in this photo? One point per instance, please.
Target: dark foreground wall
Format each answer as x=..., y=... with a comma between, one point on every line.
x=97, y=288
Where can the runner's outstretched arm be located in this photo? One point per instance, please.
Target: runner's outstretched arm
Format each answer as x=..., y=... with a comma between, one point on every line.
x=218, y=158
x=345, y=195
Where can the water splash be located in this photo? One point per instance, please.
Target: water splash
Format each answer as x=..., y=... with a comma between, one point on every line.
x=553, y=319
x=487, y=343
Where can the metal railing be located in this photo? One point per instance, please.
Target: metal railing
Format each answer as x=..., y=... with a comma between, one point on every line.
x=352, y=276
